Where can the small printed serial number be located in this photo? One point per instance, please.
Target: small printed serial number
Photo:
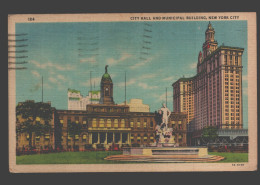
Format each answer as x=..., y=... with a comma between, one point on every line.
x=31, y=19
x=237, y=164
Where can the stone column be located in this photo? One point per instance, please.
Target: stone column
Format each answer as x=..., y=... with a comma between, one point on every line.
x=184, y=142
x=98, y=138
x=120, y=139
x=106, y=139
x=113, y=137
x=80, y=142
x=128, y=139
x=90, y=138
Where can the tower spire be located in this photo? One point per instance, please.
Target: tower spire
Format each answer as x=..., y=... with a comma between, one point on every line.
x=210, y=44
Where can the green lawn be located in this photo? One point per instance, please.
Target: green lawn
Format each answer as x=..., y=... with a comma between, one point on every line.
x=231, y=157
x=68, y=158
x=98, y=158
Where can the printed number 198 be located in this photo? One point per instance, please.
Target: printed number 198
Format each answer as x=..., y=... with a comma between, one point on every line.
x=30, y=18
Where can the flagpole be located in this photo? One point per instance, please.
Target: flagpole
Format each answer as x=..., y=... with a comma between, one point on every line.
x=166, y=96
x=125, y=87
x=42, y=89
x=90, y=89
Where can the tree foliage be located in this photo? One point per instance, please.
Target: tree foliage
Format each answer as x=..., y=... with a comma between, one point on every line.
x=73, y=130
x=29, y=111
x=209, y=134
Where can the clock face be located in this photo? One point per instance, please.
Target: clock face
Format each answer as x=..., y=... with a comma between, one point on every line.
x=106, y=89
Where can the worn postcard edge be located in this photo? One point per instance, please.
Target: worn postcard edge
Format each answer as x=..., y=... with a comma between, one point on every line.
x=251, y=165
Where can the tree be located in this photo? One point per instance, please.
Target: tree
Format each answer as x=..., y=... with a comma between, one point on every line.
x=73, y=130
x=29, y=111
x=209, y=134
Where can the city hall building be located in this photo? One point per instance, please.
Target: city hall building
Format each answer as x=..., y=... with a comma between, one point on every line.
x=213, y=97
x=105, y=125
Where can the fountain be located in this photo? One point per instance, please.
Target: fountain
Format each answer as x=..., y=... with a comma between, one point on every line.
x=165, y=149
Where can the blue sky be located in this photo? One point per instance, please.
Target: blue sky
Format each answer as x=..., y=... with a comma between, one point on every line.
x=65, y=53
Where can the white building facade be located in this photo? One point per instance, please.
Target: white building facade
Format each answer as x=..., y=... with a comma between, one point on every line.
x=77, y=102
x=136, y=105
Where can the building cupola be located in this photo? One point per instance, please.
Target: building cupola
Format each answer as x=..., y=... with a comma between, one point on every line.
x=106, y=88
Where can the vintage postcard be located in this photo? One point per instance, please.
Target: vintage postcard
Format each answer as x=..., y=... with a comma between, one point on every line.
x=139, y=92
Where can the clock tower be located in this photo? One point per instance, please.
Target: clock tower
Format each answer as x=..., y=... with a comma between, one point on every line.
x=210, y=43
x=106, y=89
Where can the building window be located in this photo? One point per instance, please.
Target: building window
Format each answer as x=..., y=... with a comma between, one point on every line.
x=94, y=122
x=84, y=138
x=84, y=123
x=138, y=138
x=61, y=123
x=37, y=138
x=47, y=137
x=236, y=60
x=106, y=91
x=122, y=123
x=69, y=120
x=131, y=123
x=76, y=137
x=77, y=120
x=225, y=60
x=132, y=138
x=108, y=122
x=116, y=123
x=145, y=138
x=151, y=124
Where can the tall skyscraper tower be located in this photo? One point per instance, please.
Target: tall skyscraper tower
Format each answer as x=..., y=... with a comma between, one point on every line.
x=216, y=88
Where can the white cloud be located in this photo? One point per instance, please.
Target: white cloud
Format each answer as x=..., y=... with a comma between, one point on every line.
x=91, y=60
x=140, y=84
x=61, y=77
x=46, y=85
x=39, y=65
x=93, y=80
x=58, y=81
x=65, y=67
x=146, y=86
x=245, y=91
x=161, y=98
x=112, y=61
x=141, y=63
x=35, y=87
x=170, y=78
x=148, y=76
x=36, y=74
x=129, y=82
x=193, y=65
x=245, y=78
x=53, y=80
